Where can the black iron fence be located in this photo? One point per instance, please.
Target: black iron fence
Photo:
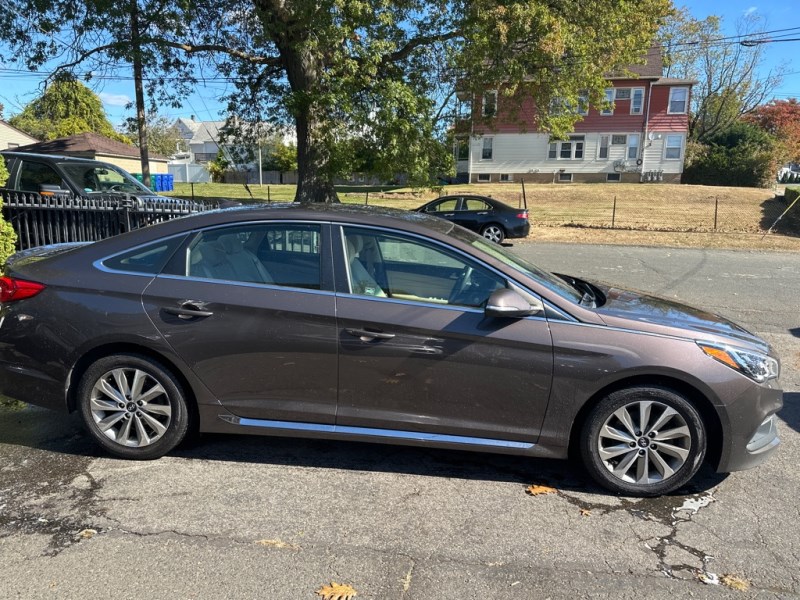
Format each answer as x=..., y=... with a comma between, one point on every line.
x=51, y=219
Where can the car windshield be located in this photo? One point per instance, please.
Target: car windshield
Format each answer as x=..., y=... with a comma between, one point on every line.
x=550, y=281
x=102, y=178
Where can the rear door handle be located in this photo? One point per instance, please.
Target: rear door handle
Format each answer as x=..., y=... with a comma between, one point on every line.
x=189, y=310
x=368, y=336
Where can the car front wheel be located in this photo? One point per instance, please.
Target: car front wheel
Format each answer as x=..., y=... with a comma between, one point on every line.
x=493, y=233
x=643, y=441
x=133, y=407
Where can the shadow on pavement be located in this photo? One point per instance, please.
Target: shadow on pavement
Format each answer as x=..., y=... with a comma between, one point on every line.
x=790, y=413
x=53, y=432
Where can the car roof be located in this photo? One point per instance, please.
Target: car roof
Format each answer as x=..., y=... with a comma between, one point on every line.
x=51, y=157
x=493, y=201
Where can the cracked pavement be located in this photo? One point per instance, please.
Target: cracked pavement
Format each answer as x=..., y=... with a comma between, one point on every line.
x=246, y=517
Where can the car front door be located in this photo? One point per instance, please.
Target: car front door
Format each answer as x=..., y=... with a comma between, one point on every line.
x=250, y=309
x=418, y=357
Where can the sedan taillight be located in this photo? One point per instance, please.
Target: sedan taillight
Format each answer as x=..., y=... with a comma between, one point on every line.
x=523, y=215
x=18, y=289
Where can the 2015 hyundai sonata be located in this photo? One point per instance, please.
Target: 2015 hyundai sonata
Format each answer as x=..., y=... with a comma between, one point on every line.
x=382, y=326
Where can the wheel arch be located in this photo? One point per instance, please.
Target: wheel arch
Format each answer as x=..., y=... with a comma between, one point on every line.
x=109, y=349
x=704, y=405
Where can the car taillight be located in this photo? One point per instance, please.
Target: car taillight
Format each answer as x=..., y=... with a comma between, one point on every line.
x=18, y=289
x=523, y=215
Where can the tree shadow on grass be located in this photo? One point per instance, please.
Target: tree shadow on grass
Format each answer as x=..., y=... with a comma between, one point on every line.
x=772, y=209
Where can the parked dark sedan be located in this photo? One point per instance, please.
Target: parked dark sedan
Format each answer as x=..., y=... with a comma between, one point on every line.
x=386, y=326
x=491, y=218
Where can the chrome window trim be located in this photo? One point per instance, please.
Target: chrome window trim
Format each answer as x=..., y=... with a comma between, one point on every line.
x=248, y=284
x=375, y=432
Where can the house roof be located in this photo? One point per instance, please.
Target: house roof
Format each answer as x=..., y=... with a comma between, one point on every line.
x=87, y=142
x=674, y=81
x=19, y=131
x=652, y=68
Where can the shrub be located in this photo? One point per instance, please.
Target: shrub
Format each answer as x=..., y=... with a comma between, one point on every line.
x=7, y=235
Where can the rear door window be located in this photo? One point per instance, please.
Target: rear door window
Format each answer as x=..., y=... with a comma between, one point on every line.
x=32, y=175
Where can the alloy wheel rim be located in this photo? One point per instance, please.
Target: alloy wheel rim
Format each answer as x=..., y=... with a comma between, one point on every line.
x=644, y=442
x=492, y=234
x=130, y=407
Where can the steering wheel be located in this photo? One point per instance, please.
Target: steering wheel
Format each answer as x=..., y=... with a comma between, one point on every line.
x=461, y=285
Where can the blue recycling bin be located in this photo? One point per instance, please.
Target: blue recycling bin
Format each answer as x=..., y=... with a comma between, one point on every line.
x=153, y=182
x=161, y=185
x=170, y=182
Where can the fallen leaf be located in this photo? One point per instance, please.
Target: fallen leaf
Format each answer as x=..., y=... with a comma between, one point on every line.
x=87, y=533
x=336, y=591
x=277, y=544
x=539, y=490
x=735, y=582
x=586, y=512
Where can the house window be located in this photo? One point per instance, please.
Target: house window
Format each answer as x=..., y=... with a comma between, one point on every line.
x=619, y=140
x=678, y=98
x=633, y=146
x=486, y=154
x=637, y=101
x=583, y=103
x=603, y=147
x=505, y=178
x=490, y=103
x=571, y=149
x=462, y=149
x=565, y=177
x=612, y=177
x=464, y=110
x=560, y=106
x=484, y=177
x=609, y=99
x=673, y=147
x=623, y=93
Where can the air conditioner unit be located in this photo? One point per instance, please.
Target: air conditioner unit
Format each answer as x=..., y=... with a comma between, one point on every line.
x=619, y=166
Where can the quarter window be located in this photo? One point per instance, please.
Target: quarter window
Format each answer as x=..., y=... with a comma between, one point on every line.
x=394, y=266
x=678, y=98
x=148, y=259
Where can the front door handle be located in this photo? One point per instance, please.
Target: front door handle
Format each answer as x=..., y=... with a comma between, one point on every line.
x=189, y=310
x=368, y=336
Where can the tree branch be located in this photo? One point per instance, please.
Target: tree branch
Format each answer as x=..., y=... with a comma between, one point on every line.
x=196, y=48
x=417, y=42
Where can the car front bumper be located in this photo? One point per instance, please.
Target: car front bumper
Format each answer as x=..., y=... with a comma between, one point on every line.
x=751, y=442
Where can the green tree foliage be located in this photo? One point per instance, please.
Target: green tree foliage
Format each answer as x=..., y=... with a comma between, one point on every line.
x=741, y=155
x=162, y=136
x=731, y=80
x=217, y=167
x=7, y=235
x=384, y=73
x=278, y=156
x=66, y=107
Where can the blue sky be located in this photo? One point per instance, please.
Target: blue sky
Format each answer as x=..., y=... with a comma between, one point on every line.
x=17, y=89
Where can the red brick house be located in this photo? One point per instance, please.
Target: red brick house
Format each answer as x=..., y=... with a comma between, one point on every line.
x=643, y=138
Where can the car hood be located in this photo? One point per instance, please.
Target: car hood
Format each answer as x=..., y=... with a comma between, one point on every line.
x=636, y=310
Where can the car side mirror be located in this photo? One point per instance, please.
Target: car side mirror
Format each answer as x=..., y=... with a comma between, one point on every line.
x=510, y=304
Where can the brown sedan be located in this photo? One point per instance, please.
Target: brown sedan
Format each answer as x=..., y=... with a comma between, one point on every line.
x=384, y=326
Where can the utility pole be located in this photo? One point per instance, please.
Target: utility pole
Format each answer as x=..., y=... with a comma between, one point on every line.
x=141, y=116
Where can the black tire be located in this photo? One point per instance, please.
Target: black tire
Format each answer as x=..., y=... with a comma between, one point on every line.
x=156, y=416
x=620, y=457
x=494, y=232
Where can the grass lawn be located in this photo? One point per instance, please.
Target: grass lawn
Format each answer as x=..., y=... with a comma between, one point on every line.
x=649, y=214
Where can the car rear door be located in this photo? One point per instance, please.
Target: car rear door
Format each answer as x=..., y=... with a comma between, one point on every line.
x=418, y=357
x=250, y=309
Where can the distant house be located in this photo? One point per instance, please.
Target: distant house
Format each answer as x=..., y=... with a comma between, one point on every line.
x=12, y=138
x=642, y=138
x=98, y=147
x=201, y=139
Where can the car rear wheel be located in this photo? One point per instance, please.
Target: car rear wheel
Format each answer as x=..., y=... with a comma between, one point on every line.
x=133, y=407
x=494, y=233
x=643, y=441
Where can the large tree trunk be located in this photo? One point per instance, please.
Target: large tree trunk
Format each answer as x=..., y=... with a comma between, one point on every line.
x=141, y=119
x=304, y=65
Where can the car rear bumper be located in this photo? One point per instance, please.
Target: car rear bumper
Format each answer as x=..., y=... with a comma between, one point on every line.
x=29, y=385
x=519, y=231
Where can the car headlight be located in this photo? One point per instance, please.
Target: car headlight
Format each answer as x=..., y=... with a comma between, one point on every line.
x=758, y=367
